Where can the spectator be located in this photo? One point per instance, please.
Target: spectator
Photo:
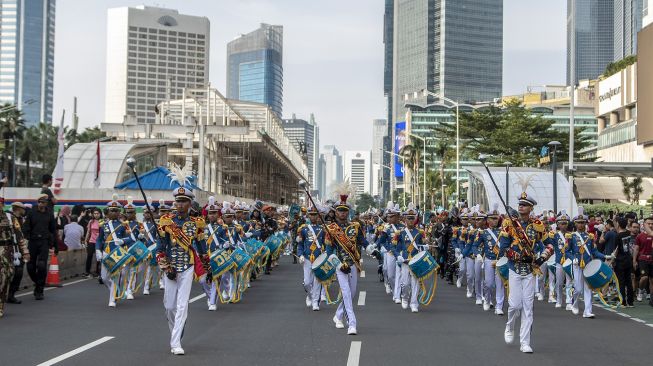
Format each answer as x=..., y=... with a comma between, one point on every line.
x=607, y=242
x=624, y=261
x=73, y=234
x=634, y=229
x=643, y=258
x=92, y=232
x=45, y=189
x=63, y=219
x=40, y=231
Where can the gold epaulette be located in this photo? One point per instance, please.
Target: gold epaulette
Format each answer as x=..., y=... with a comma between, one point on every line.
x=591, y=236
x=567, y=235
x=552, y=234
x=538, y=226
x=199, y=222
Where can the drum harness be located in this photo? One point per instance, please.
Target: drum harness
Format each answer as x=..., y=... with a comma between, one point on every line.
x=315, y=241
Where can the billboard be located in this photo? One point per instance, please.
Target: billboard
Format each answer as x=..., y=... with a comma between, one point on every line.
x=400, y=142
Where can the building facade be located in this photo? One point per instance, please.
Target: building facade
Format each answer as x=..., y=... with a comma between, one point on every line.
x=647, y=13
x=627, y=22
x=152, y=55
x=332, y=169
x=594, y=38
x=358, y=170
x=388, y=31
x=27, y=52
x=305, y=136
x=255, y=67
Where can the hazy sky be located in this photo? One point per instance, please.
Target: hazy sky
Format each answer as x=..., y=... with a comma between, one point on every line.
x=333, y=55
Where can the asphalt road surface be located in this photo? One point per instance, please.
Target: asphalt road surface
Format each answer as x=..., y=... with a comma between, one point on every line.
x=272, y=326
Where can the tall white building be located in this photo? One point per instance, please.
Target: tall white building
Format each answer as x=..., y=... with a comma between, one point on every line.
x=647, y=13
x=305, y=136
x=358, y=170
x=332, y=169
x=152, y=55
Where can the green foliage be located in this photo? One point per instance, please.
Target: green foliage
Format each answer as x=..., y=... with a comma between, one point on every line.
x=364, y=202
x=632, y=189
x=615, y=67
x=605, y=208
x=511, y=133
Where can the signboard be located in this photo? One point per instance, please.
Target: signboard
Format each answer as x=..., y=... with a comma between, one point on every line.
x=400, y=142
x=610, y=94
x=544, y=156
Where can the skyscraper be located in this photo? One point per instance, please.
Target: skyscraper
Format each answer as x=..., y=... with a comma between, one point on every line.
x=255, y=67
x=358, y=170
x=333, y=169
x=379, y=133
x=152, y=55
x=305, y=136
x=27, y=52
x=627, y=22
x=451, y=48
x=388, y=26
x=594, y=35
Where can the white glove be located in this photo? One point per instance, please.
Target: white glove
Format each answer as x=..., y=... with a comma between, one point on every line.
x=575, y=261
x=298, y=239
x=459, y=256
x=301, y=260
x=400, y=259
x=248, y=235
x=479, y=258
x=98, y=255
x=609, y=257
x=458, y=253
x=370, y=249
x=383, y=250
x=141, y=236
x=227, y=245
x=119, y=242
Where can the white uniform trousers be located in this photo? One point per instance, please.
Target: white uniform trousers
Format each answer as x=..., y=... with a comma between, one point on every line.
x=227, y=285
x=581, y=286
x=462, y=269
x=150, y=271
x=561, y=279
x=478, y=279
x=311, y=284
x=409, y=284
x=470, y=271
x=347, y=282
x=175, y=301
x=104, y=274
x=520, y=300
x=396, y=288
x=540, y=280
x=493, y=285
x=389, y=269
x=209, y=289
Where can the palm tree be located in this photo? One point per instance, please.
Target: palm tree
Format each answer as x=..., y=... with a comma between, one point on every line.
x=412, y=153
x=47, y=148
x=27, y=151
x=11, y=126
x=91, y=134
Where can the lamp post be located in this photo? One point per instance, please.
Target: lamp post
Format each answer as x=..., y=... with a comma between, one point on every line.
x=424, y=158
x=508, y=165
x=554, y=167
x=426, y=92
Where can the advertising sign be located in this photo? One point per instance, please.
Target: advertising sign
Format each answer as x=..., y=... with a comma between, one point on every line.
x=400, y=142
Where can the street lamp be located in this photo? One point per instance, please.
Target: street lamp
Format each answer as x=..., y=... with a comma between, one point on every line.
x=424, y=157
x=426, y=92
x=554, y=168
x=508, y=165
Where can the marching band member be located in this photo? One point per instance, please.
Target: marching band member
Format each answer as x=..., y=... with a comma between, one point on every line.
x=231, y=235
x=460, y=241
x=559, y=239
x=150, y=237
x=584, y=250
x=387, y=249
x=133, y=230
x=520, y=234
x=181, y=254
x=409, y=243
x=345, y=239
x=309, y=236
x=488, y=243
x=474, y=255
x=113, y=233
x=213, y=243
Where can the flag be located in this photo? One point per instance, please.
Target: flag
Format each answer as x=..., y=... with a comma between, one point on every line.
x=96, y=179
x=58, y=170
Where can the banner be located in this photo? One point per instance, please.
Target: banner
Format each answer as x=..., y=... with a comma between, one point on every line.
x=400, y=142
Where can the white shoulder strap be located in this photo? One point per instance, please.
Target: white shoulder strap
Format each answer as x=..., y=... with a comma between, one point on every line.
x=493, y=235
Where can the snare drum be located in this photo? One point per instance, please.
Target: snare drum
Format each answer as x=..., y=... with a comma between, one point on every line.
x=422, y=264
x=568, y=268
x=325, y=267
x=139, y=251
x=118, y=258
x=221, y=262
x=240, y=258
x=152, y=255
x=597, y=274
x=502, y=268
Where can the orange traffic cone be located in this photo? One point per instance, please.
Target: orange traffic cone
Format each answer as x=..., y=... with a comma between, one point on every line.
x=53, y=273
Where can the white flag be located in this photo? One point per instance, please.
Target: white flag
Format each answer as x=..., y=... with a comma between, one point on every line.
x=58, y=170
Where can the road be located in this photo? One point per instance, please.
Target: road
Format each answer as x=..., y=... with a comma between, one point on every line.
x=272, y=326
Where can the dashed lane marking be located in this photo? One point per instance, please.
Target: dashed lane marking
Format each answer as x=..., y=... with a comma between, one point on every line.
x=361, y=298
x=354, y=353
x=76, y=351
x=362, y=274
x=196, y=298
x=52, y=288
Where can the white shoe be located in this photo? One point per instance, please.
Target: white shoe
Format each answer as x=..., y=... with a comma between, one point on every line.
x=112, y=304
x=146, y=292
x=486, y=306
x=404, y=304
x=397, y=301
x=574, y=310
x=526, y=348
x=552, y=300
x=508, y=335
x=316, y=308
x=469, y=294
x=308, y=301
x=323, y=298
x=339, y=324
x=479, y=302
x=177, y=351
x=459, y=282
x=351, y=331
x=589, y=316
x=388, y=290
x=639, y=296
x=498, y=311
x=569, y=307
x=540, y=297
x=558, y=306
x=130, y=297
x=161, y=287
x=213, y=307
x=414, y=309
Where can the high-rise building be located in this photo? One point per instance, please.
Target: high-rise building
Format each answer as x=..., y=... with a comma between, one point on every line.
x=152, y=55
x=388, y=26
x=255, y=67
x=627, y=22
x=305, y=136
x=647, y=13
x=321, y=177
x=358, y=170
x=594, y=35
x=379, y=131
x=450, y=48
x=27, y=52
x=333, y=169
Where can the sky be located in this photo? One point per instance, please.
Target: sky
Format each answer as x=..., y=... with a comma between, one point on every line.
x=333, y=55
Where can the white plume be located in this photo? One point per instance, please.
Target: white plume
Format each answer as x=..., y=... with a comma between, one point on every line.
x=390, y=205
x=211, y=201
x=525, y=182
x=114, y=197
x=495, y=207
x=130, y=200
x=180, y=175
x=581, y=211
x=162, y=202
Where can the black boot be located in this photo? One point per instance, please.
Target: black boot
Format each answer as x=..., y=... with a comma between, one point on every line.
x=12, y=299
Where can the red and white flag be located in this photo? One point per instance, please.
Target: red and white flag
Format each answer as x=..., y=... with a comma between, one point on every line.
x=96, y=179
x=58, y=170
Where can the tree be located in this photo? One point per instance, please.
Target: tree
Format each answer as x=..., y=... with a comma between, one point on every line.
x=632, y=189
x=364, y=202
x=615, y=67
x=27, y=151
x=91, y=134
x=11, y=127
x=513, y=133
x=412, y=154
x=47, y=150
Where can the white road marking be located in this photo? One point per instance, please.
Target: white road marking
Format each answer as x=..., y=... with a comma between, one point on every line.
x=52, y=288
x=650, y=325
x=75, y=352
x=196, y=298
x=361, y=298
x=638, y=320
x=362, y=274
x=354, y=353
x=624, y=315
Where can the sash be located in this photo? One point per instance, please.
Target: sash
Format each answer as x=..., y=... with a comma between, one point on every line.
x=109, y=238
x=410, y=246
x=231, y=239
x=496, y=241
x=149, y=233
x=317, y=242
x=581, y=262
x=131, y=231
x=212, y=237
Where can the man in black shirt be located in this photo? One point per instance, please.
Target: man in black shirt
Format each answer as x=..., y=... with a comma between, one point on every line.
x=624, y=261
x=45, y=189
x=40, y=231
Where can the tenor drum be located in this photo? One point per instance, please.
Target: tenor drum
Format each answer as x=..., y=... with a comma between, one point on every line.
x=551, y=264
x=568, y=268
x=324, y=267
x=152, y=254
x=118, y=258
x=240, y=258
x=422, y=264
x=139, y=251
x=597, y=274
x=273, y=243
x=502, y=268
x=221, y=262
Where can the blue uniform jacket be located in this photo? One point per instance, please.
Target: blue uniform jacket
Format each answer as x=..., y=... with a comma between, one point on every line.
x=486, y=243
x=404, y=247
x=584, y=249
x=306, y=247
x=534, y=230
x=106, y=239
